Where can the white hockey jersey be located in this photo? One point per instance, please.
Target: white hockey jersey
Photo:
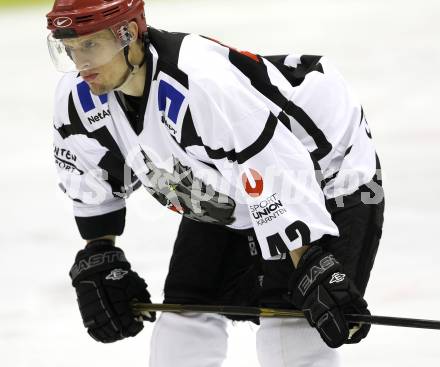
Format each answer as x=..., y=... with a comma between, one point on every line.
x=224, y=136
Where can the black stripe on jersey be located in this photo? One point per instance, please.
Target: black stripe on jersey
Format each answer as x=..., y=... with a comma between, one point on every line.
x=189, y=134
x=190, y=137
x=318, y=172
x=332, y=177
x=172, y=71
x=147, y=87
x=284, y=119
x=102, y=134
x=347, y=152
x=110, y=224
x=367, y=129
x=257, y=74
x=167, y=45
x=296, y=75
x=259, y=78
x=213, y=166
x=252, y=150
x=220, y=153
x=112, y=162
x=323, y=145
x=276, y=59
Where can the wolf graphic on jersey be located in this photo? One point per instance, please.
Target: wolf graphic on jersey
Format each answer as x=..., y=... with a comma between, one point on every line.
x=187, y=195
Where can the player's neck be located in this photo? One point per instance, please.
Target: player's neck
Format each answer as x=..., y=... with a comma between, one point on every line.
x=135, y=83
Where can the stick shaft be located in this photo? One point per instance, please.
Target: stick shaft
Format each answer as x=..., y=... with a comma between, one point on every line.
x=271, y=312
x=395, y=321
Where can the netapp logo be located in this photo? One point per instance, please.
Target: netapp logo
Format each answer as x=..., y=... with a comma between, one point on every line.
x=267, y=210
x=99, y=116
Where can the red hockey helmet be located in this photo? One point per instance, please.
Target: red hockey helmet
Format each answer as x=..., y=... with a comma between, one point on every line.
x=73, y=18
x=78, y=40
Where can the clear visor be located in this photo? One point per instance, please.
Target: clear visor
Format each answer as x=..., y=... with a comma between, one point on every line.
x=87, y=52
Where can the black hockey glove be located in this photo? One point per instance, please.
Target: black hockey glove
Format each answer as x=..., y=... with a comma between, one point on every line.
x=106, y=286
x=325, y=294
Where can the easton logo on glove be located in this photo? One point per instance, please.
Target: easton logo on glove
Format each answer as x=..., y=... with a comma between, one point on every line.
x=96, y=260
x=337, y=278
x=116, y=274
x=325, y=263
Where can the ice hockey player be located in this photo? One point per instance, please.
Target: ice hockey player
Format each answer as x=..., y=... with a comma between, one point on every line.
x=269, y=160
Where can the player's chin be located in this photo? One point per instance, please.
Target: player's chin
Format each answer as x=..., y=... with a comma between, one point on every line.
x=99, y=88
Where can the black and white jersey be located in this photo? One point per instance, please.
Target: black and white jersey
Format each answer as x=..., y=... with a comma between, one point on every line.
x=224, y=136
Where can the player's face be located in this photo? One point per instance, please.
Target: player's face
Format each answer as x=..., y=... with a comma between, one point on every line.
x=107, y=77
x=87, y=51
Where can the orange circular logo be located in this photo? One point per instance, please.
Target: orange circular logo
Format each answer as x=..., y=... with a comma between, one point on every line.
x=254, y=189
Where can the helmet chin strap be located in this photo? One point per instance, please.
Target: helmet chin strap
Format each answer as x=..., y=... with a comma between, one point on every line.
x=132, y=69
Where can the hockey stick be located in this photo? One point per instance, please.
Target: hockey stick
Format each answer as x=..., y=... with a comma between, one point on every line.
x=139, y=308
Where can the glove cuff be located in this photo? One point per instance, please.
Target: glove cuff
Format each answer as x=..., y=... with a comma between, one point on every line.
x=314, y=265
x=100, y=243
x=310, y=255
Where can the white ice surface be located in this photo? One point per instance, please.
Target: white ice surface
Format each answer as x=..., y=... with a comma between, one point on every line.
x=390, y=53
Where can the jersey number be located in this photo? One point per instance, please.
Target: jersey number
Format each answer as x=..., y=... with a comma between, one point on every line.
x=293, y=231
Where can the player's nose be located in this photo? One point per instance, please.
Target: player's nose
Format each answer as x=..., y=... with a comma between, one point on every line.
x=81, y=62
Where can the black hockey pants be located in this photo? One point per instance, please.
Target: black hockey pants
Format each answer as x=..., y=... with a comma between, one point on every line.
x=211, y=264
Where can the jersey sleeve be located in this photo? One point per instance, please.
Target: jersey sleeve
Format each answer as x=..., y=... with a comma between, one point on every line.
x=271, y=170
x=82, y=165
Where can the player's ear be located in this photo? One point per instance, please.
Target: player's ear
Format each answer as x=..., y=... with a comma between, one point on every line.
x=134, y=30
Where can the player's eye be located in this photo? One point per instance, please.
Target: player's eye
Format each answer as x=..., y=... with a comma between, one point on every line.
x=87, y=45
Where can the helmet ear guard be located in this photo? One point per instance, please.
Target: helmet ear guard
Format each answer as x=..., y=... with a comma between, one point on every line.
x=122, y=33
x=133, y=68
